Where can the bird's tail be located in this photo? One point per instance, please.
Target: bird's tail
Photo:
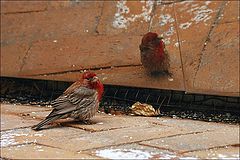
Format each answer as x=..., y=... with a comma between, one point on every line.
x=45, y=121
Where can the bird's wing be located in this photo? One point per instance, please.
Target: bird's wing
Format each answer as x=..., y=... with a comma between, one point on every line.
x=78, y=98
x=147, y=47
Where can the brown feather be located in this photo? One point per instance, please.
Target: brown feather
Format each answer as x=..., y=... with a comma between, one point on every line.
x=154, y=55
x=79, y=101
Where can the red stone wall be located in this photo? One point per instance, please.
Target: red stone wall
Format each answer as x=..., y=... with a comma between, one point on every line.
x=55, y=40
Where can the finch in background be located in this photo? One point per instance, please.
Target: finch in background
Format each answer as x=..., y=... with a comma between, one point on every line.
x=154, y=55
x=80, y=101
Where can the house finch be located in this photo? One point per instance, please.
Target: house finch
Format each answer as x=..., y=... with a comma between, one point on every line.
x=80, y=101
x=154, y=55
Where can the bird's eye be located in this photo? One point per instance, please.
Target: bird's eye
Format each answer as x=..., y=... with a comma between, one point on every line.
x=90, y=78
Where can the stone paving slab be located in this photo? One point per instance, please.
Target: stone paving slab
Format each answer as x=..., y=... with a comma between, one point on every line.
x=197, y=141
x=13, y=121
x=103, y=122
x=216, y=153
x=13, y=108
x=190, y=125
x=34, y=151
x=18, y=116
x=27, y=135
x=110, y=136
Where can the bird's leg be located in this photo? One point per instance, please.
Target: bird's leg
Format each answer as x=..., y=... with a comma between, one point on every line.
x=168, y=73
x=156, y=73
x=87, y=122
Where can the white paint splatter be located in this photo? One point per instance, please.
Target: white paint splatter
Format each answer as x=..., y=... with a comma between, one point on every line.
x=192, y=9
x=38, y=134
x=221, y=156
x=38, y=148
x=206, y=19
x=169, y=32
x=123, y=154
x=164, y=19
x=167, y=40
x=207, y=2
x=176, y=44
x=185, y=25
x=7, y=138
x=121, y=20
x=187, y=2
x=201, y=13
x=194, y=5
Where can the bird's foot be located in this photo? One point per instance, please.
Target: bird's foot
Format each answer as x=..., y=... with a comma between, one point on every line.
x=168, y=74
x=161, y=73
x=87, y=122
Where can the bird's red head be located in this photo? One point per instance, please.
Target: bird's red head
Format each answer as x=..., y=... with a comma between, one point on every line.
x=88, y=75
x=149, y=37
x=93, y=82
x=152, y=39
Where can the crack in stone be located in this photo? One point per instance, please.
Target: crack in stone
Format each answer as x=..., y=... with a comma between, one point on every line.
x=25, y=57
x=98, y=19
x=94, y=130
x=81, y=70
x=112, y=145
x=226, y=22
x=179, y=47
x=215, y=22
x=40, y=144
x=22, y=12
x=161, y=148
x=159, y=124
x=152, y=15
x=139, y=141
x=12, y=129
x=183, y=134
x=20, y=144
x=217, y=147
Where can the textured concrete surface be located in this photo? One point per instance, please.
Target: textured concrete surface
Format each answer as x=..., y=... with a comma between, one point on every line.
x=54, y=40
x=113, y=137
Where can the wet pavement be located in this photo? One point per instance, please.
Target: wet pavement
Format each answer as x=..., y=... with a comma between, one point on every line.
x=114, y=137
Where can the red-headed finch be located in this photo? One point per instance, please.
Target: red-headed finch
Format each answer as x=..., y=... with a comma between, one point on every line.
x=80, y=101
x=154, y=55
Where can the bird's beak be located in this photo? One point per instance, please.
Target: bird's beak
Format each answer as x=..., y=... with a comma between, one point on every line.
x=95, y=79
